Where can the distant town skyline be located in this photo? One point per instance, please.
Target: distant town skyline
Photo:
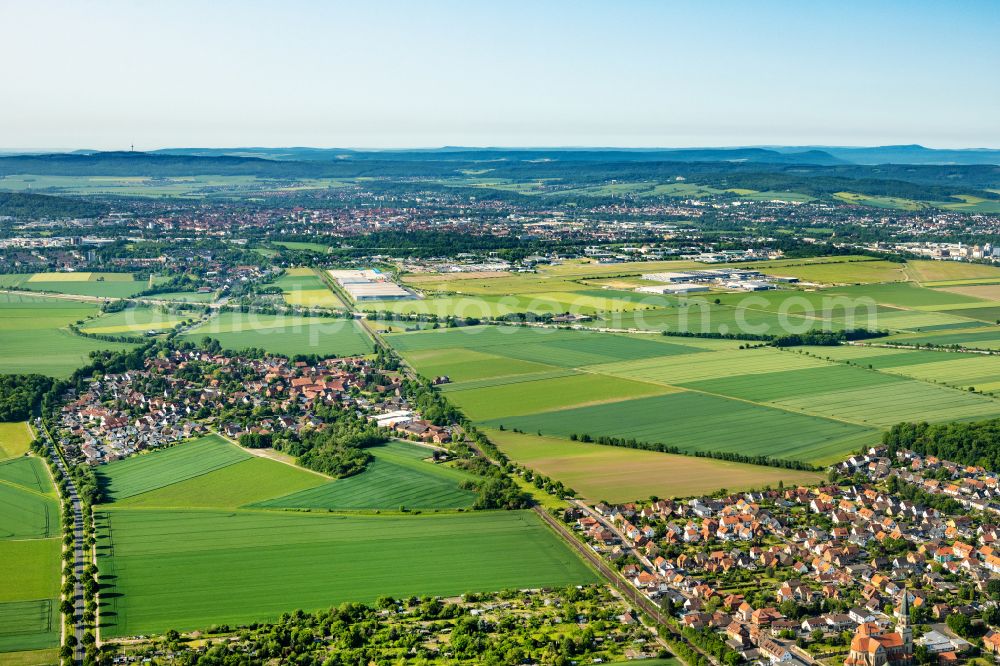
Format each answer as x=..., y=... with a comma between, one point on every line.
x=104, y=75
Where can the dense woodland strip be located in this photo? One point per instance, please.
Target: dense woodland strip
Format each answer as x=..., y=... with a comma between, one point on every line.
x=973, y=443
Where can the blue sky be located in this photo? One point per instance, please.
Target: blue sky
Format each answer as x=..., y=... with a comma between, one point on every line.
x=104, y=74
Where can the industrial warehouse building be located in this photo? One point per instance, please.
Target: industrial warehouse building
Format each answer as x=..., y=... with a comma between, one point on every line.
x=369, y=285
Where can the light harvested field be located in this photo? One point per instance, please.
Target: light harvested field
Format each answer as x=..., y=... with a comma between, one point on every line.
x=541, y=395
x=286, y=335
x=14, y=439
x=244, y=482
x=190, y=569
x=700, y=422
x=616, y=474
x=157, y=469
x=932, y=271
x=847, y=272
x=986, y=292
x=33, y=337
x=398, y=476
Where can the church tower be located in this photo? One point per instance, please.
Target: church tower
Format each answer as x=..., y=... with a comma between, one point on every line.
x=903, y=622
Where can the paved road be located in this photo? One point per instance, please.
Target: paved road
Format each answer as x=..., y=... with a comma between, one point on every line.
x=78, y=545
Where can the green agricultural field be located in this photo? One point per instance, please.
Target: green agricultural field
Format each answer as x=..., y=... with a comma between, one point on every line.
x=29, y=569
x=185, y=296
x=29, y=549
x=133, y=321
x=103, y=285
x=27, y=514
x=542, y=346
x=14, y=439
x=468, y=364
x=675, y=370
x=244, y=482
x=191, y=569
x=398, y=476
x=302, y=287
x=142, y=186
x=699, y=422
x=854, y=394
x=34, y=338
x=617, y=474
x=286, y=335
x=27, y=472
x=986, y=337
x=908, y=295
x=296, y=245
x=157, y=469
x=962, y=371
x=481, y=404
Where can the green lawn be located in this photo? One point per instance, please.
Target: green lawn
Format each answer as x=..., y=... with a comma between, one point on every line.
x=190, y=569
x=150, y=471
x=398, y=476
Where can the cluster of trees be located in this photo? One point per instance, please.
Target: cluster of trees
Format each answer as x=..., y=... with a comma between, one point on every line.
x=183, y=282
x=337, y=450
x=19, y=394
x=972, y=443
x=718, y=455
x=826, y=338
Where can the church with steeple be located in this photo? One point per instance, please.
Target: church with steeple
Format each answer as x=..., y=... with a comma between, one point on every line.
x=873, y=647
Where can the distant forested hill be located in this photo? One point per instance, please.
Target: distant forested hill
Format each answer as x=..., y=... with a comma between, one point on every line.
x=22, y=204
x=756, y=169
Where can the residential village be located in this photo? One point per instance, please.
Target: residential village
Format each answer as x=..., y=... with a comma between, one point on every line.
x=888, y=566
x=895, y=562
x=186, y=393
